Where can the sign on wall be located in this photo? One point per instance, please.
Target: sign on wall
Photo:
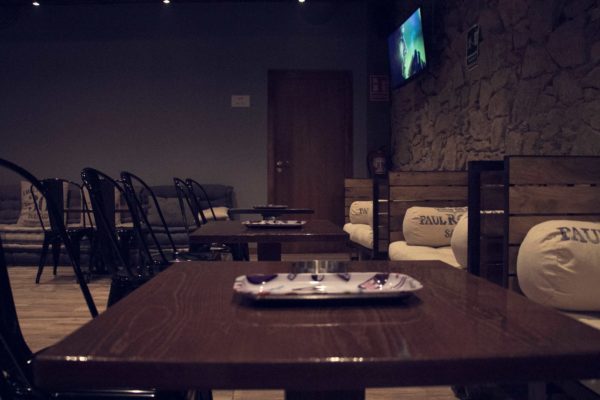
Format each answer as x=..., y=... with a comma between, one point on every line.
x=379, y=88
x=472, y=46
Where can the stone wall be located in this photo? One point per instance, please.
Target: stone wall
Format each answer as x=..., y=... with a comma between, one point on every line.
x=535, y=89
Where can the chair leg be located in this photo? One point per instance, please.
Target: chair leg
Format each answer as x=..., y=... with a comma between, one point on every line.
x=56, y=245
x=42, y=259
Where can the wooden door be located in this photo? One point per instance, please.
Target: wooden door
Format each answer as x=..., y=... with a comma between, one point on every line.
x=310, y=144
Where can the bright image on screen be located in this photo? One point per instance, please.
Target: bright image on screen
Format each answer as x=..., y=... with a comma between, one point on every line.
x=406, y=48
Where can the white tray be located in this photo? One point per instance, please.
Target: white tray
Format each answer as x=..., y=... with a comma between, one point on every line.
x=278, y=223
x=357, y=285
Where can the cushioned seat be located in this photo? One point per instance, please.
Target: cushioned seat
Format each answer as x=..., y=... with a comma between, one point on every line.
x=428, y=232
x=360, y=233
x=360, y=227
x=401, y=251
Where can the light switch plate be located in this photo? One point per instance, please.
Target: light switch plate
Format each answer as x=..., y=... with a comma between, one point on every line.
x=240, y=100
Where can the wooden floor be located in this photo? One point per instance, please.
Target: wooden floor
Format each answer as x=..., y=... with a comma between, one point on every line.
x=54, y=308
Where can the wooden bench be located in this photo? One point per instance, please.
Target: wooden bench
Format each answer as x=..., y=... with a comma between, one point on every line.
x=425, y=189
x=542, y=188
x=508, y=197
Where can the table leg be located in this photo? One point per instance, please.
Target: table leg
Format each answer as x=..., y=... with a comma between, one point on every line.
x=268, y=251
x=325, y=395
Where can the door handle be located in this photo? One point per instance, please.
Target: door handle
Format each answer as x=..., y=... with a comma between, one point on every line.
x=280, y=165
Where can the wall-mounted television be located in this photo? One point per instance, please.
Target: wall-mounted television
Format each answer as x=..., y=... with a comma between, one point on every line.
x=406, y=50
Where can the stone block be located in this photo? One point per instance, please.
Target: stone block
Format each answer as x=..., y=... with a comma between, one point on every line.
x=500, y=104
x=566, y=44
x=567, y=88
x=592, y=79
x=540, y=16
x=520, y=35
x=512, y=11
x=587, y=142
x=501, y=78
x=536, y=61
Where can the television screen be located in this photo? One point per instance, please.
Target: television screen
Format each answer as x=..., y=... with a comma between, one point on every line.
x=406, y=49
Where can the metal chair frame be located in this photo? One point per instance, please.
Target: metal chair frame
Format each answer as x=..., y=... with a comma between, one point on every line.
x=51, y=234
x=125, y=276
x=129, y=182
x=55, y=215
x=196, y=190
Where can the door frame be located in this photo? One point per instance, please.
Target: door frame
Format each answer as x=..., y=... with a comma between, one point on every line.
x=348, y=137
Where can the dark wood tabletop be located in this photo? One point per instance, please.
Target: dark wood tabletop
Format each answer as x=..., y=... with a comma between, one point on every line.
x=269, y=239
x=271, y=212
x=186, y=329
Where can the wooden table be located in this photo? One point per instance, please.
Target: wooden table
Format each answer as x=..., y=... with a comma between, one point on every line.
x=268, y=239
x=267, y=213
x=185, y=329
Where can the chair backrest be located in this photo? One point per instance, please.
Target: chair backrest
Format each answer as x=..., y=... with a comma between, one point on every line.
x=102, y=189
x=55, y=215
x=69, y=197
x=191, y=219
x=137, y=189
x=198, y=194
x=425, y=189
x=543, y=188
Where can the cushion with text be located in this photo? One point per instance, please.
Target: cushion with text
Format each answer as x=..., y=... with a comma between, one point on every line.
x=557, y=265
x=29, y=215
x=361, y=212
x=431, y=226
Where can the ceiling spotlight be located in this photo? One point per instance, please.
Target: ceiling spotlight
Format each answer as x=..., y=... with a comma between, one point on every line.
x=301, y=1
x=167, y=1
x=35, y=3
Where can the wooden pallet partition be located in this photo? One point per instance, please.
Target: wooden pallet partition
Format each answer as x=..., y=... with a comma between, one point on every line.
x=486, y=216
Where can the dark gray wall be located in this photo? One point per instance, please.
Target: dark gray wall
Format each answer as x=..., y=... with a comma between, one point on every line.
x=147, y=87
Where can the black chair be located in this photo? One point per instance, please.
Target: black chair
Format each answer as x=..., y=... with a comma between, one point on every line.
x=198, y=195
x=125, y=252
x=191, y=206
x=17, y=359
x=68, y=196
x=193, y=219
x=140, y=194
x=56, y=218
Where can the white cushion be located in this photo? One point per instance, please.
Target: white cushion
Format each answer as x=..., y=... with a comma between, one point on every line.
x=29, y=215
x=430, y=226
x=221, y=213
x=459, y=241
x=363, y=235
x=361, y=212
x=349, y=228
x=558, y=265
x=402, y=251
x=360, y=233
x=589, y=318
